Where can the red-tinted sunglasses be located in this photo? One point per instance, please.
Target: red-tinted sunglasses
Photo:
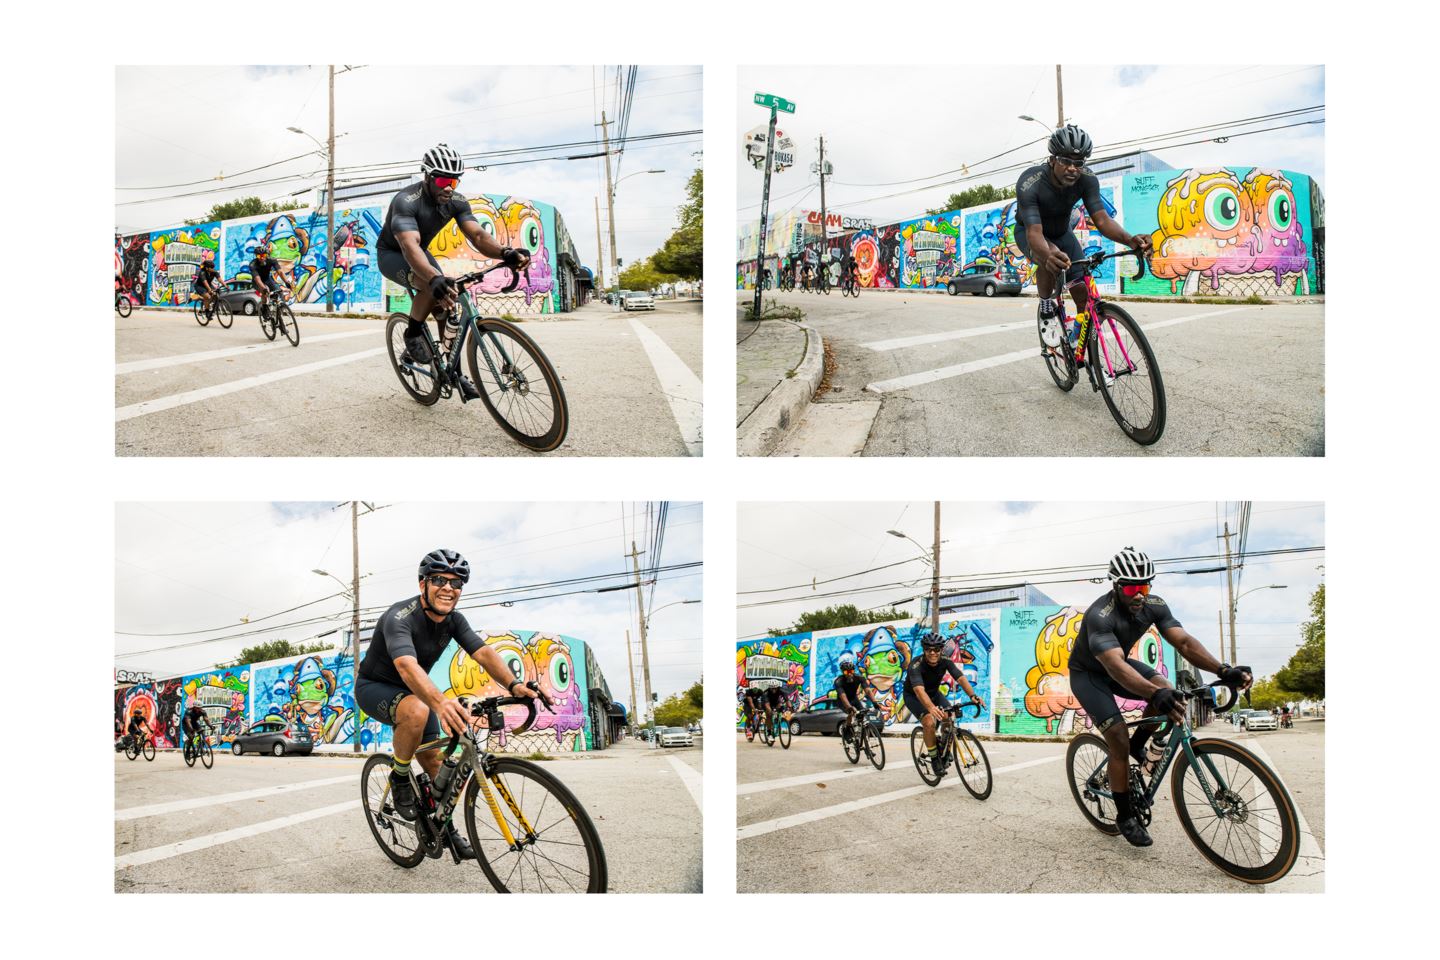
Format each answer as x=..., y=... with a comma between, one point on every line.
x=447, y=183
x=1134, y=589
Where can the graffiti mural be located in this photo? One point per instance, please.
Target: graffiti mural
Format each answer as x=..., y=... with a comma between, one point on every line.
x=930, y=250
x=224, y=695
x=175, y=256
x=554, y=661
x=132, y=263
x=317, y=690
x=771, y=661
x=298, y=245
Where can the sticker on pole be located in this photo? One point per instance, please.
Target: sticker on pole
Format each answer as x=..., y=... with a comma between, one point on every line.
x=754, y=143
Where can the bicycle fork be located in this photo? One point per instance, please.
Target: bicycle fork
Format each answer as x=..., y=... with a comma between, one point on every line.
x=495, y=811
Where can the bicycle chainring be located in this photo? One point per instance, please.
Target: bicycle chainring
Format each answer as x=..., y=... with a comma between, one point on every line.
x=1139, y=798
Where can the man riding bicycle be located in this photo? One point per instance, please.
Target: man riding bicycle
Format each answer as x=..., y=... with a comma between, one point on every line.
x=207, y=284
x=416, y=215
x=852, y=688
x=1045, y=195
x=751, y=705
x=1100, y=671
x=138, y=730
x=265, y=275
x=774, y=698
x=922, y=687
x=847, y=268
x=394, y=684
x=192, y=720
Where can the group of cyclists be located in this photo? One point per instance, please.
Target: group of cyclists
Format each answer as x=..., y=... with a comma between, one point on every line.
x=266, y=279
x=193, y=723
x=811, y=275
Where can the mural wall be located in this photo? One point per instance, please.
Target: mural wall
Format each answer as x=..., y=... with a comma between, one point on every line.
x=175, y=255
x=299, y=246
x=774, y=661
x=132, y=265
x=224, y=695
x=159, y=704
x=1216, y=231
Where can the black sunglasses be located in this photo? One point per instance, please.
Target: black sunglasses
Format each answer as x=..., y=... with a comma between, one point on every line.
x=438, y=580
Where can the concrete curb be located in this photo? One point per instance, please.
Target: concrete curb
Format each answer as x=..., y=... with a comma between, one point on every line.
x=762, y=431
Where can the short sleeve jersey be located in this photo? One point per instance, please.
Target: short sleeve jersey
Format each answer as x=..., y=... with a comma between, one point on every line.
x=134, y=724
x=412, y=210
x=194, y=718
x=207, y=275
x=405, y=631
x=921, y=674
x=773, y=696
x=1108, y=625
x=850, y=686
x=1038, y=200
x=263, y=272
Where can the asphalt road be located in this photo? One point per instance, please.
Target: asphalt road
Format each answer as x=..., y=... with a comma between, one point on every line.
x=1239, y=380
x=632, y=382
x=307, y=834
x=852, y=829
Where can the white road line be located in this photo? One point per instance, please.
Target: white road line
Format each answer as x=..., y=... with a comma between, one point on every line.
x=761, y=786
x=691, y=778
x=157, y=363
x=850, y=806
x=219, y=390
x=175, y=806
x=681, y=387
x=960, y=369
x=228, y=836
x=899, y=343
x=1308, y=874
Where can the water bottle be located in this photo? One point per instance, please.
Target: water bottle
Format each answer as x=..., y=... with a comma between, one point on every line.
x=445, y=775
x=1154, y=753
x=427, y=798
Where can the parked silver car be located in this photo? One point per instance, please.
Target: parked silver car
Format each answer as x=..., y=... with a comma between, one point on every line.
x=674, y=737
x=637, y=300
x=1259, y=720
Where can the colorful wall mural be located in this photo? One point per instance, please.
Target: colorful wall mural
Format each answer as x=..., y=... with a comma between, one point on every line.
x=773, y=661
x=1217, y=231
x=317, y=690
x=175, y=255
x=224, y=695
x=297, y=243
x=159, y=703
x=132, y=264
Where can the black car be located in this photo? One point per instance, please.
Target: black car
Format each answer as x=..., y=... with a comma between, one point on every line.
x=822, y=716
x=987, y=278
x=274, y=737
x=241, y=298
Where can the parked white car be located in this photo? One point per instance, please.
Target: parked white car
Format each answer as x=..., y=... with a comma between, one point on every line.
x=675, y=737
x=1259, y=720
x=637, y=300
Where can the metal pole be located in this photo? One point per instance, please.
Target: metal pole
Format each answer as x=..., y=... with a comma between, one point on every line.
x=604, y=126
x=1229, y=591
x=824, y=224
x=355, y=590
x=935, y=578
x=634, y=555
x=630, y=657
x=331, y=252
x=1059, y=100
x=599, y=251
x=764, y=216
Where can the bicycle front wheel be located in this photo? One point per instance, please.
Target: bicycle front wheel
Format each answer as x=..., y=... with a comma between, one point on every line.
x=207, y=755
x=1129, y=379
x=223, y=314
x=518, y=385
x=1087, y=763
x=874, y=745
x=923, y=763
x=552, y=846
x=1251, y=830
x=973, y=764
x=201, y=317
x=149, y=749
x=851, y=742
x=122, y=306
x=398, y=837
x=288, y=326
x=782, y=730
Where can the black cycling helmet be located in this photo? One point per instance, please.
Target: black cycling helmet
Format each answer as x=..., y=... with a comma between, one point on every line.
x=931, y=641
x=262, y=251
x=445, y=561
x=1070, y=141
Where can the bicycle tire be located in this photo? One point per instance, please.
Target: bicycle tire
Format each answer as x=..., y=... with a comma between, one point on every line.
x=267, y=325
x=1286, y=847
x=224, y=314
x=782, y=732
x=488, y=848
x=767, y=733
x=976, y=774
x=922, y=762
x=851, y=744
x=189, y=754
x=874, y=745
x=1059, y=360
x=132, y=750
x=423, y=387
x=1087, y=773
x=288, y=324
x=513, y=380
x=383, y=819
x=207, y=755
x=123, y=306
x=201, y=317
x=149, y=750
x=1149, y=432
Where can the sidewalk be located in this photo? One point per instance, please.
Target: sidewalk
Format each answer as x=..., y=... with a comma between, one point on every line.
x=779, y=364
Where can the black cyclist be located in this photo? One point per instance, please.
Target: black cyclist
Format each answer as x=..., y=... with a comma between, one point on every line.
x=922, y=686
x=394, y=685
x=415, y=216
x=265, y=275
x=1045, y=195
x=138, y=730
x=852, y=687
x=192, y=720
x=847, y=267
x=207, y=284
x=1100, y=672
x=750, y=702
x=774, y=699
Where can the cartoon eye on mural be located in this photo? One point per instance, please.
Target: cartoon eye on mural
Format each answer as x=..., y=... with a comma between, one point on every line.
x=1279, y=238
x=1202, y=214
x=528, y=233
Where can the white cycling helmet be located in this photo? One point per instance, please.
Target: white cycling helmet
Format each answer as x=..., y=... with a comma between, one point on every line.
x=847, y=659
x=442, y=160
x=1133, y=565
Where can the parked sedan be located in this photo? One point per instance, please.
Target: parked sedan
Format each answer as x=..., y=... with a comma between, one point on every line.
x=986, y=278
x=674, y=737
x=637, y=300
x=822, y=716
x=274, y=737
x=241, y=298
x=1259, y=720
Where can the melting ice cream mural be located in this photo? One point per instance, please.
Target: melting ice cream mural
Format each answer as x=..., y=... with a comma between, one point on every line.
x=555, y=662
x=513, y=222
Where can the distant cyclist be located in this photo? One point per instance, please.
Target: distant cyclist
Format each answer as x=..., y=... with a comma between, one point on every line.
x=193, y=720
x=923, y=678
x=265, y=275
x=1100, y=671
x=207, y=284
x=847, y=268
x=852, y=688
x=1045, y=195
x=138, y=730
x=416, y=215
x=751, y=704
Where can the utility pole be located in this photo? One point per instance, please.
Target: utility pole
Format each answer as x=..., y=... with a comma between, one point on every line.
x=824, y=224
x=935, y=578
x=630, y=657
x=634, y=556
x=1229, y=589
x=331, y=252
x=354, y=578
x=604, y=126
x=1059, y=100
x=599, y=251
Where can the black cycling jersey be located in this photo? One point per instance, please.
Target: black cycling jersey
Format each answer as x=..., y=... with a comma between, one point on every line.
x=266, y=272
x=1038, y=200
x=207, y=276
x=850, y=686
x=405, y=631
x=412, y=209
x=193, y=718
x=135, y=725
x=773, y=696
x=921, y=674
x=1108, y=625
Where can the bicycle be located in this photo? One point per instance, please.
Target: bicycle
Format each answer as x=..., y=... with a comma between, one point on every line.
x=123, y=305
x=197, y=747
x=850, y=287
x=954, y=744
x=217, y=309
x=528, y=806
x=519, y=374
x=134, y=748
x=823, y=282
x=1126, y=375
x=1240, y=791
x=276, y=317
x=861, y=733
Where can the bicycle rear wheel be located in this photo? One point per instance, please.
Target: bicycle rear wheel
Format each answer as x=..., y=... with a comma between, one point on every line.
x=132, y=750
x=223, y=314
x=782, y=731
x=201, y=317
x=518, y=385
x=1086, y=767
x=1251, y=831
x=1059, y=358
x=556, y=848
x=207, y=755
x=874, y=745
x=398, y=837
x=189, y=754
x=972, y=763
x=1133, y=390
x=288, y=326
x=122, y=306
x=850, y=741
x=149, y=749
x=923, y=764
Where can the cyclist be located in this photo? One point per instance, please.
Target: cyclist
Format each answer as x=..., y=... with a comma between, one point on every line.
x=774, y=699
x=1100, y=672
x=394, y=685
x=852, y=687
x=847, y=269
x=138, y=730
x=206, y=284
x=193, y=719
x=265, y=275
x=805, y=270
x=415, y=216
x=1045, y=195
x=751, y=704
x=922, y=686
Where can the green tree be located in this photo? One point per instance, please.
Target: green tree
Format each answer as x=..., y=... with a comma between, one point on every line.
x=1305, y=673
x=683, y=254
x=275, y=650
x=643, y=276
x=843, y=615
x=677, y=711
x=974, y=197
x=243, y=207
x=1268, y=694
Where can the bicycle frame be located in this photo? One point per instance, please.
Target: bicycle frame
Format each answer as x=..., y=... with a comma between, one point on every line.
x=448, y=370
x=1093, y=305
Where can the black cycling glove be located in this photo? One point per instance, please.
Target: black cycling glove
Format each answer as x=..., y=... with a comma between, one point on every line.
x=439, y=286
x=511, y=256
x=1233, y=676
x=1165, y=699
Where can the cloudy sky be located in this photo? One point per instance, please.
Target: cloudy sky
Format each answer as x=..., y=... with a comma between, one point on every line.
x=888, y=124
x=787, y=544
x=176, y=125
x=183, y=568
